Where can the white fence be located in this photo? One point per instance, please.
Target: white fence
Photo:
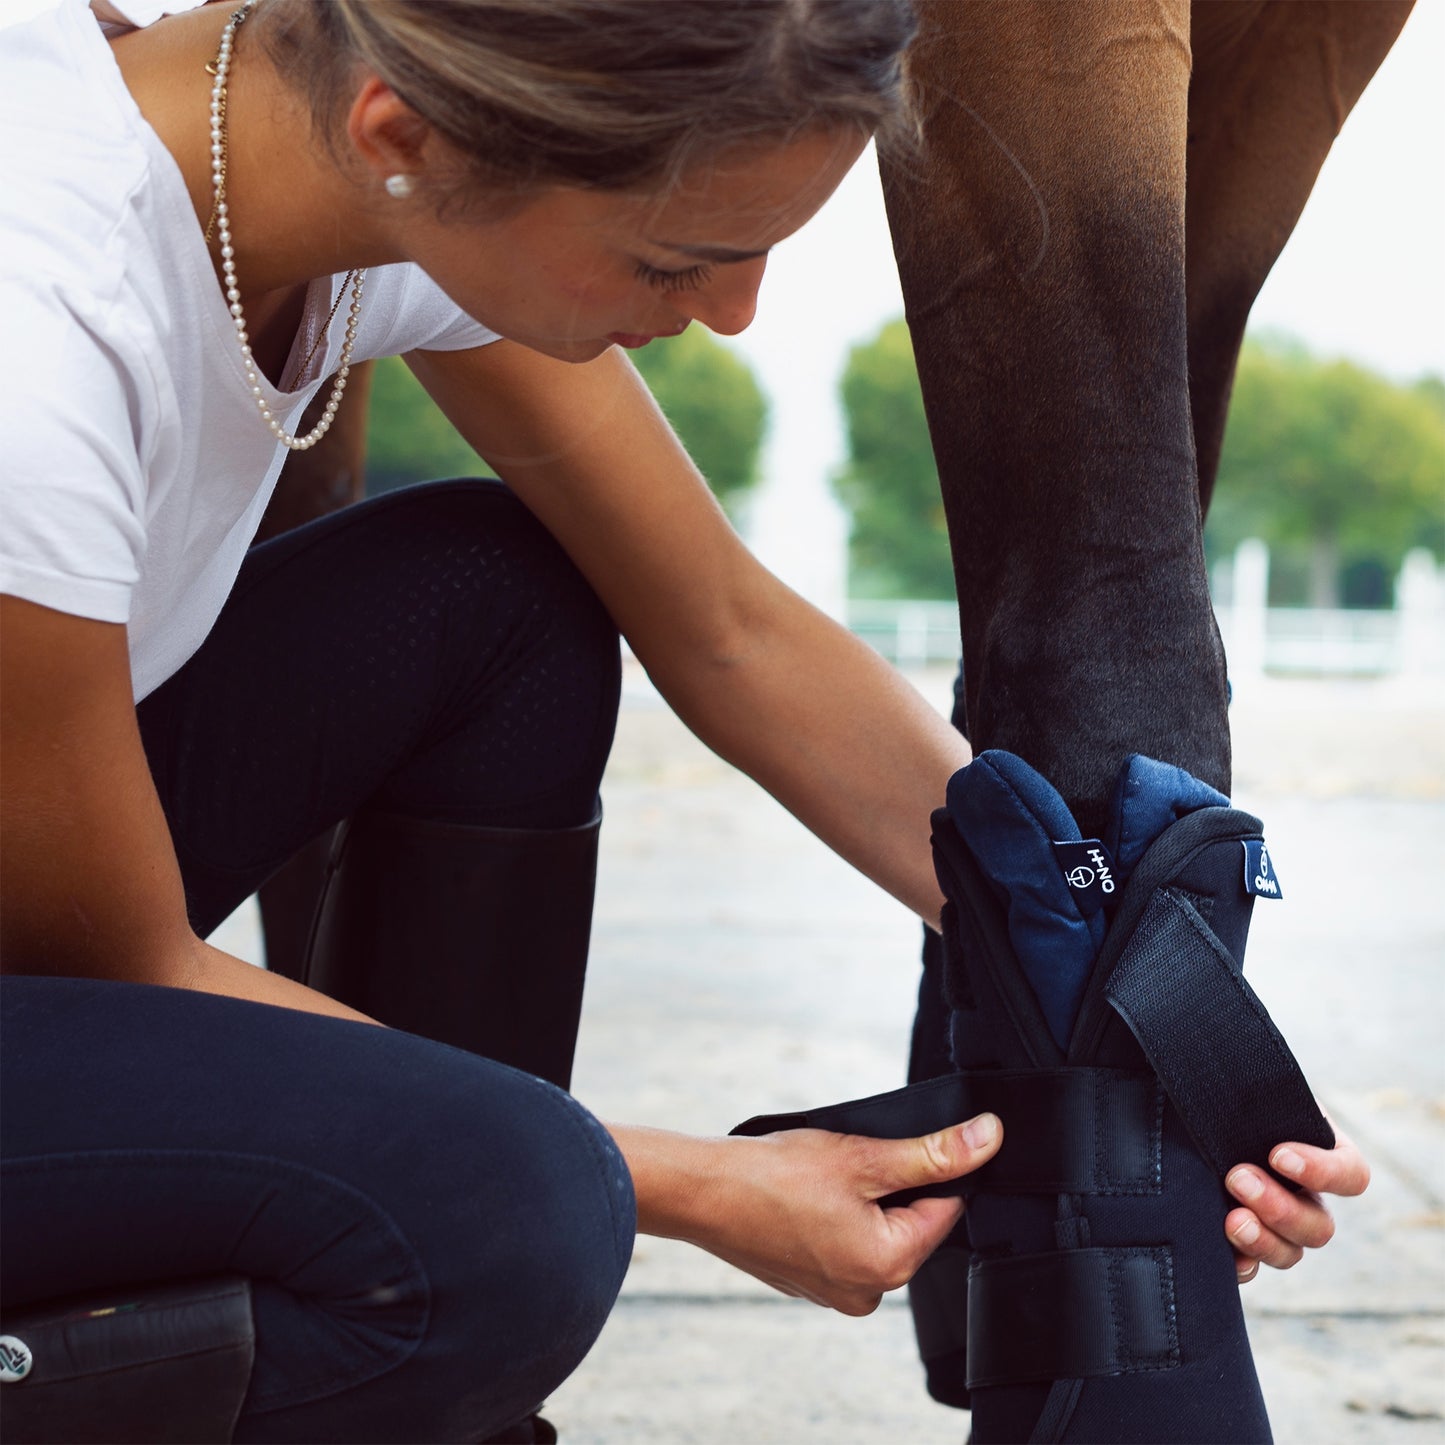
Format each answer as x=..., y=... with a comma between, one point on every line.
x=1311, y=640
x=911, y=634
x=1286, y=641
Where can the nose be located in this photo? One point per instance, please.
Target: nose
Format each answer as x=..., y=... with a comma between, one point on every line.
x=728, y=302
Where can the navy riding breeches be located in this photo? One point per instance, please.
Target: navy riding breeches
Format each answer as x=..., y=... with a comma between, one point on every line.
x=433, y=1239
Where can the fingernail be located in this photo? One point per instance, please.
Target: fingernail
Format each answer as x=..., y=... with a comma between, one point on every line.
x=979, y=1133
x=1288, y=1162
x=1245, y=1275
x=1244, y=1185
x=1247, y=1232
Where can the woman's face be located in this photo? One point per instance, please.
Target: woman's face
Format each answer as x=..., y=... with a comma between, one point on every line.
x=572, y=272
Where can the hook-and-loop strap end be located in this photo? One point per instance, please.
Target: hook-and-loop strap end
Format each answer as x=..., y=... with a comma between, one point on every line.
x=1066, y=1131
x=1211, y=1042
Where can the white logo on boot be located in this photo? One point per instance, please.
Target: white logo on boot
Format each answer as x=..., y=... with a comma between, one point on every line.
x=1106, y=879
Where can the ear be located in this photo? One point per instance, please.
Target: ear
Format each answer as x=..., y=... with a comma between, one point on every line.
x=386, y=133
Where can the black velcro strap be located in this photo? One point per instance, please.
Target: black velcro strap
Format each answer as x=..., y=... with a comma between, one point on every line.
x=1221, y=1060
x=1071, y=1315
x=939, y=1296
x=1065, y=1131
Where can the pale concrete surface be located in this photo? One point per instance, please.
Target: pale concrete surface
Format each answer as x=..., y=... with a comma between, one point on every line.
x=739, y=967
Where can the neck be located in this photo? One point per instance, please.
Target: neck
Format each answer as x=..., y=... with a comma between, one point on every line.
x=294, y=216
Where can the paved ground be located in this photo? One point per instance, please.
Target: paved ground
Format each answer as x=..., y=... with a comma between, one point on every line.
x=739, y=967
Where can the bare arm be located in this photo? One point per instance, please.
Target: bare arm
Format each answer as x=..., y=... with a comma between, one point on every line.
x=761, y=676
x=89, y=884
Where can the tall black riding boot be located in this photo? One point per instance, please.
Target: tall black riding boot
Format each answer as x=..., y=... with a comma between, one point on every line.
x=472, y=936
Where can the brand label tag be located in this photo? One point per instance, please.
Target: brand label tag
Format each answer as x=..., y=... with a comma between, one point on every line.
x=1259, y=875
x=1089, y=871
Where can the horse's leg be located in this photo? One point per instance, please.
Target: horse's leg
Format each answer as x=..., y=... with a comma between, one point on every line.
x=313, y=484
x=1040, y=240
x=1092, y=430
x=1040, y=243
x=1272, y=85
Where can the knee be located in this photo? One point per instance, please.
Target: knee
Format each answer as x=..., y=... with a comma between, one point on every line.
x=523, y=1226
x=533, y=592
x=554, y=686
x=555, y=1270
x=559, y=621
x=581, y=1218
x=478, y=529
x=531, y=660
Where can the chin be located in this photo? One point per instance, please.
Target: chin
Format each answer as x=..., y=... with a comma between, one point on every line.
x=574, y=351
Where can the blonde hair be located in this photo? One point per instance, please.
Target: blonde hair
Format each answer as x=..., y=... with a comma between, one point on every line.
x=611, y=94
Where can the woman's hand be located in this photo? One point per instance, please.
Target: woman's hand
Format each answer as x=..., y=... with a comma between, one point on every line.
x=799, y=1210
x=1277, y=1226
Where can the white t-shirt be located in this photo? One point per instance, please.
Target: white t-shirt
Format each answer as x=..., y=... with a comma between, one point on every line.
x=134, y=466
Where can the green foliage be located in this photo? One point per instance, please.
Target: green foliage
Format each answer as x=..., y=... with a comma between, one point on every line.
x=709, y=394
x=407, y=438
x=899, y=542
x=1431, y=390
x=714, y=403
x=1340, y=470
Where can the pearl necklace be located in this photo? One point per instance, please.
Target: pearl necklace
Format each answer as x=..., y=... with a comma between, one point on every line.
x=221, y=214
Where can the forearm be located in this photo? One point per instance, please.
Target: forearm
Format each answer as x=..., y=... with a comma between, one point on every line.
x=211, y=971
x=834, y=733
x=673, y=1177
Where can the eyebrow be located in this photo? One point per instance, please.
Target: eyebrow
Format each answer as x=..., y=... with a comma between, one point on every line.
x=723, y=255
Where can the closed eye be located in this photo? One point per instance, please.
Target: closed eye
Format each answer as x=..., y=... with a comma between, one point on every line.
x=686, y=280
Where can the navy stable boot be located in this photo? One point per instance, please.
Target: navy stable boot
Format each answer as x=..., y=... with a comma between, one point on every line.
x=1097, y=1005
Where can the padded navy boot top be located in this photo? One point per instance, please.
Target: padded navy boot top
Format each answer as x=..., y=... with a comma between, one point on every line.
x=1056, y=888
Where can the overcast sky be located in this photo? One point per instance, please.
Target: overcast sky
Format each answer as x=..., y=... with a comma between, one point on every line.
x=1363, y=276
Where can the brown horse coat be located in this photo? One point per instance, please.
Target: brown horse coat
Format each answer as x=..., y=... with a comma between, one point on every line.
x=1102, y=190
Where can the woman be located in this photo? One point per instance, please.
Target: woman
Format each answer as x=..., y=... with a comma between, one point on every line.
x=203, y=220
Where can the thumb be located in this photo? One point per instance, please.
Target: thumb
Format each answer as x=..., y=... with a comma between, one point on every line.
x=937, y=1158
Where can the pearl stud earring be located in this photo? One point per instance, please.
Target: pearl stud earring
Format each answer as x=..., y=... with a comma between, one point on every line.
x=399, y=186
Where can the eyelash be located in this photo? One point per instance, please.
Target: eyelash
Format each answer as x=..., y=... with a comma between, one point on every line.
x=688, y=280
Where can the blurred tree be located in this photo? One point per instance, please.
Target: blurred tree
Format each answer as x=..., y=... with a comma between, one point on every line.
x=708, y=394
x=1338, y=469
x=1431, y=390
x=899, y=543
x=715, y=405
x=408, y=439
